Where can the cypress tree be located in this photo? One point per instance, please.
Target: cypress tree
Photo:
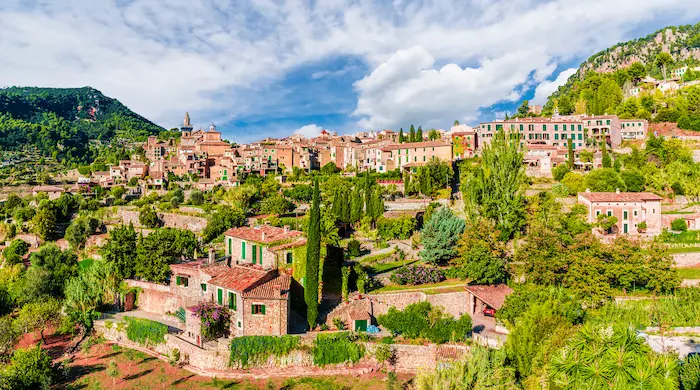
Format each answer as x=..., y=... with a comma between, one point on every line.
x=412, y=134
x=368, y=198
x=606, y=160
x=402, y=138
x=337, y=204
x=406, y=183
x=570, y=151
x=345, y=206
x=377, y=204
x=313, y=258
x=419, y=134
x=356, y=205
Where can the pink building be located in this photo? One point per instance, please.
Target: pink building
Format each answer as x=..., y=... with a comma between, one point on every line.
x=630, y=208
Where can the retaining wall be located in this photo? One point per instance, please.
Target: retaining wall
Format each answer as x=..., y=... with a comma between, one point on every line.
x=170, y=220
x=691, y=259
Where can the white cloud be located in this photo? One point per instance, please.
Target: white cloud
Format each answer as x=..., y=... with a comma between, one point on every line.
x=309, y=131
x=546, y=88
x=215, y=58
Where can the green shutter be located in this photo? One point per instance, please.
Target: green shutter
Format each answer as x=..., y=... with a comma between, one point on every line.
x=204, y=287
x=177, y=280
x=260, y=258
x=263, y=308
x=231, y=300
x=220, y=296
x=230, y=242
x=252, y=309
x=255, y=253
x=235, y=302
x=243, y=250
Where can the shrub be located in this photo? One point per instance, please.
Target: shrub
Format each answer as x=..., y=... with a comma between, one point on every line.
x=396, y=228
x=181, y=315
x=339, y=323
x=690, y=372
x=383, y=353
x=215, y=319
x=148, y=217
x=679, y=225
x=337, y=348
x=14, y=252
x=423, y=320
x=417, y=274
x=345, y=283
x=174, y=356
x=560, y=171
x=144, y=331
x=362, y=278
x=249, y=350
x=354, y=248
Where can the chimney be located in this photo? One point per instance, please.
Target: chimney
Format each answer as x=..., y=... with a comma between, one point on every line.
x=277, y=289
x=286, y=228
x=210, y=260
x=263, y=236
x=588, y=190
x=617, y=191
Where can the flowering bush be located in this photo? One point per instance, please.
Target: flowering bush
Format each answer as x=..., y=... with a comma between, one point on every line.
x=417, y=274
x=215, y=319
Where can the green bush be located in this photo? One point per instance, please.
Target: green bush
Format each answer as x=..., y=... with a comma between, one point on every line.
x=396, y=228
x=679, y=225
x=423, y=320
x=354, y=248
x=181, y=315
x=249, y=350
x=337, y=348
x=690, y=373
x=144, y=331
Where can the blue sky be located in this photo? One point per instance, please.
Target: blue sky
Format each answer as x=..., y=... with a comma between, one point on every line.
x=261, y=68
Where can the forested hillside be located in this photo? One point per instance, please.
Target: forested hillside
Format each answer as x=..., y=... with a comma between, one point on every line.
x=60, y=121
x=604, y=84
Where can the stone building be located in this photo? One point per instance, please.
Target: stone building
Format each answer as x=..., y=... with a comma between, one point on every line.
x=267, y=247
x=630, y=209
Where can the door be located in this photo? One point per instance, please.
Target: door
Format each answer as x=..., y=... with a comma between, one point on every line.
x=360, y=325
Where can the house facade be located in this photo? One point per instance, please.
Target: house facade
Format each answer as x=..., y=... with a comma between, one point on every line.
x=630, y=209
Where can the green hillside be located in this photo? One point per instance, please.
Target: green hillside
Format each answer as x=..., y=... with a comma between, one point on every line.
x=602, y=83
x=59, y=122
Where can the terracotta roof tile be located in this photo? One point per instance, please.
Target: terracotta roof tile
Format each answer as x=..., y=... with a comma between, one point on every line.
x=620, y=197
x=239, y=278
x=413, y=145
x=493, y=296
x=272, y=289
x=264, y=234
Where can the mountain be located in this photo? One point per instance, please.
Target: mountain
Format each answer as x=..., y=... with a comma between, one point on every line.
x=60, y=122
x=603, y=82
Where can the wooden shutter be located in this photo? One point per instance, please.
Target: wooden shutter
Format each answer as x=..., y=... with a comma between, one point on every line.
x=243, y=250
x=220, y=296
x=255, y=253
x=262, y=308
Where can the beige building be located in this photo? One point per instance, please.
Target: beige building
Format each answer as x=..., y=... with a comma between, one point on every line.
x=395, y=156
x=630, y=208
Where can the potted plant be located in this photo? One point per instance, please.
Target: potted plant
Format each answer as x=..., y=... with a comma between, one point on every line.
x=642, y=227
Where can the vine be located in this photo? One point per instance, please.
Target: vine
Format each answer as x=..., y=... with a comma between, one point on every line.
x=249, y=350
x=144, y=331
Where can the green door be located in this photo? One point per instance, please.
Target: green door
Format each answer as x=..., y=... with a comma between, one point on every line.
x=360, y=325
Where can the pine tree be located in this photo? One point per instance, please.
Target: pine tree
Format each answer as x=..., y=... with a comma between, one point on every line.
x=419, y=134
x=402, y=138
x=313, y=258
x=571, y=153
x=412, y=134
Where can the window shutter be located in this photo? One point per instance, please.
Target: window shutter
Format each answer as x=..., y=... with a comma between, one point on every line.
x=252, y=309
x=263, y=308
x=243, y=250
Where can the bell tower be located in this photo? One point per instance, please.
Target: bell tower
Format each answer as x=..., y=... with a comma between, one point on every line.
x=186, y=128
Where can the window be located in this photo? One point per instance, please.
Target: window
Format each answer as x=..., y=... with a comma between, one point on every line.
x=182, y=281
x=608, y=122
x=580, y=136
x=232, y=301
x=624, y=215
x=243, y=250
x=556, y=127
x=579, y=127
x=563, y=127
x=597, y=213
x=635, y=213
x=219, y=296
x=556, y=136
x=290, y=258
x=258, y=309
x=423, y=158
x=521, y=127
x=204, y=287
x=609, y=213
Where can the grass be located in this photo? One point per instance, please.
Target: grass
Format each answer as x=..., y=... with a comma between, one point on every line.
x=433, y=288
x=689, y=273
x=386, y=267
x=684, y=249
x=374, y=258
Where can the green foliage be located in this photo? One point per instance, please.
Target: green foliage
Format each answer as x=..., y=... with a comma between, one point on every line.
x=483, y=256
x=396, y=228
x=680, y=309
x=14, y=252
x=29, y=369
x=253, y=350
x=44, y=221
x=8, y=336
x=423, y=320
x=622, y=358
x=120, y=249
x=345, y=281
x=361, y=278
x=313, y=258
x=85, y=292
x=604, y=180
x=493, y=189
x=300, y=192
x=337, y=348
x=148, y=217
x=560, y=171
x=276, y=204
x=181, y=315
x=679, y=225
x=158, y=250
x=354, y=248
x=221, y=220
x=59, y=121
x=60, y=266
x=690, y=373
x=144, y=331
x=439, y=236
x=329, y=169
x=339, y=323
x=80, y=230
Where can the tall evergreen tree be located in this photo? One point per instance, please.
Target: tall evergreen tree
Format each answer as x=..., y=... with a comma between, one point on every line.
x=120, y=249
x=356, y=204
x=377, y=203
x=412, y=134
x=313, y=258
x=337, y=203
x=419, y=134
x=570, y=152
x=402, y=138
x=345, y=206
x=606, y=160
x=368, y=198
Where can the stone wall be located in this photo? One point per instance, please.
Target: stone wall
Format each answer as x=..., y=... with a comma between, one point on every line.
x=187, y=222
x=453, y=303
x=214, y=359
x=156, y=298
x=412, y=204
x=691, y=259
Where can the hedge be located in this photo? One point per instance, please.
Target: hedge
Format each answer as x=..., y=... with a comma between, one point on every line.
x=144, y=331
x=337, y=348
x=248, y=350
x=423, y=320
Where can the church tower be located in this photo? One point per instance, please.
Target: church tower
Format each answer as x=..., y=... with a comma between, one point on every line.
x=186, y=128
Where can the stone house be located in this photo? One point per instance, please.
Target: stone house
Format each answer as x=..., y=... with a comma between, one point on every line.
x=267, y=247
x=630, y=208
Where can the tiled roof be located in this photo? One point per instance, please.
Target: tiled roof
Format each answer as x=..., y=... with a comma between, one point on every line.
x=272, y=289
x=288, y=245
x=620, y=197
x=358, y=314
x=414, y=145
x=493, y=296
x=47, y=189
x=239, y=277
x=264, y=234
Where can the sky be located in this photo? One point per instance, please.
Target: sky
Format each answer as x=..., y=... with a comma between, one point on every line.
x=270, y=68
